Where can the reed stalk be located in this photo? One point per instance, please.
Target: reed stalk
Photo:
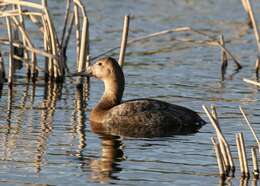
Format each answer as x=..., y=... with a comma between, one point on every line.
x=245, y=5
x=88, y=61
x=254, y=23
x=2, y=69
x=44, y=3
x=221, y=143
x=256, y=31
x=257, y=66
x=66, y=20
x=219, y=158
x=31, y=49
x=11, y=51
x=255, y=163
x=213, y=42
x=251, y=82
x=47, y=49
x=26, y=53
x=28, y=42
x=250, y=127
x=78, y=37
x=83, y=47
x=221, y=137
x=57, y=66
x=224, y=60
x=244, y=156
x=67, y=36
x=240, y=156
x=124, y=40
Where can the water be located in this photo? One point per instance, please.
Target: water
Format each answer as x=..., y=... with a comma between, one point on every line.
x=45, y=134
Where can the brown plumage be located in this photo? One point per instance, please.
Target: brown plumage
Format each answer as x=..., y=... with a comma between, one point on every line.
x=139, y=117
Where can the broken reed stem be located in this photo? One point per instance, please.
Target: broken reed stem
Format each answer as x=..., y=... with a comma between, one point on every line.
x=88, y=61
x=244, y=156
x=240, y=156
x=83, y=48
x=26, y=53
x=47, y=49
x=31, y=49
x=11, y=51
x=52, y=71
x=179, y=29
x=2, y=69
x=221, y=136
x=68, y=5
x=124, y=41
x=77, y=25
x=44, y=3
x=254, y=23
x=255, y=163
x=215, y=114
x=247, y=4
x=219, y=158
x=84, y=51
x=251, y=82
x=67, y=36
x=224, y=60
x=257, y=66
x=28, y=42
x=222, y=145
x=250, y=127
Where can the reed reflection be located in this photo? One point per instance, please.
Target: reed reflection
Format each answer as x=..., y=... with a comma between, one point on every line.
x=52, y=93
x=1, y=89
x=8, y=145
x=79, y=117
x=244, y=181
x=13, y=124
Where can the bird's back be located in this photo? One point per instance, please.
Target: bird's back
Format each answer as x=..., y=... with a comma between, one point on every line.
x=149, y=118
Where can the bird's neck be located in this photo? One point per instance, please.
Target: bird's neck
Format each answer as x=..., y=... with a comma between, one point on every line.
x=112, y=96
x=114, y=88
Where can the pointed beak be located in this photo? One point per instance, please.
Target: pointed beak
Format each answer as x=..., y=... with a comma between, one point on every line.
x=89, y=71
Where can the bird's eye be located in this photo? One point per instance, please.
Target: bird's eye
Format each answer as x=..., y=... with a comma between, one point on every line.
x=99, y=64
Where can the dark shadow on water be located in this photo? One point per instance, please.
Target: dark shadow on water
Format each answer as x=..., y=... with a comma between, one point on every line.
x=136, y=130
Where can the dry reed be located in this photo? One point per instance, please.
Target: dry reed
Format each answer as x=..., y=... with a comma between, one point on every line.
x=54, y=49
x=224, y=60
x=222, y=139
x=248, y=8
x=213, y=42
x=219, y=158
x=240, y=156
x=244, y=156
x=250, y=127
x=124, y=41
x=251, y=82
x=2, y=69
x=11, y=50
x=255, y=163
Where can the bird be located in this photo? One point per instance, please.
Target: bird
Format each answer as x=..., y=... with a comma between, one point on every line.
x=141, y=117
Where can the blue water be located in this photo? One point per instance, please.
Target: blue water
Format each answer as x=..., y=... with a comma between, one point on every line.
x=45, y=134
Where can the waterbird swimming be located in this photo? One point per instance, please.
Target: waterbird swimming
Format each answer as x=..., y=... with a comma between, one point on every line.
x=139, y=117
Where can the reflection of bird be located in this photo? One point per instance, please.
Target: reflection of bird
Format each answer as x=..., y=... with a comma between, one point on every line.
x=137, y=118
x=102, y=169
